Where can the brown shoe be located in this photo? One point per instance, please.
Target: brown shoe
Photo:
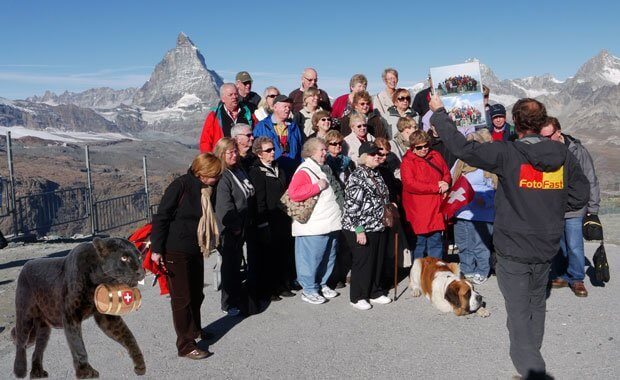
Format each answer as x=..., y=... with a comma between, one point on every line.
x=198, y=354
x=559, y=283
x=579, y=289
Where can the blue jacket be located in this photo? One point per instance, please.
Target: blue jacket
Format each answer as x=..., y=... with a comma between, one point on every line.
x=292, y=158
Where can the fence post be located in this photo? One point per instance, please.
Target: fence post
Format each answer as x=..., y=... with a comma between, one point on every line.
x=146, y=190
x=9, y=154
x=91, y=208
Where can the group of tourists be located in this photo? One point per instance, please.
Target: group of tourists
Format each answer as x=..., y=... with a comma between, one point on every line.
x=458, y=84
x=356, y=167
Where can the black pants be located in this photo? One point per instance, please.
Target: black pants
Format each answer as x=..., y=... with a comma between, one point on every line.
x=524, y=287
x=342, y=264
x=185, y=281
x=232, y=255
x=367, y=265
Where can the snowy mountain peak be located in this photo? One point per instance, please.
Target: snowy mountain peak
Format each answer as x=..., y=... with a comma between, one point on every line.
x=601, y=70
x=183, y=39
x=182, y=71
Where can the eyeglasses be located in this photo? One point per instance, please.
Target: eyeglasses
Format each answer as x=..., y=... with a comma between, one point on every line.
x=311, y=79
x=325, y=119
x=401, y=98
x=420, y=147
x=269, y=150
x=363, y=104
x=248, y=135
x=335, y=143
x=361, y=126
x=272, y=95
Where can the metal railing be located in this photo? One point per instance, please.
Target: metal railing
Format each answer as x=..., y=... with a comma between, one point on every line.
x=40, y=212
x=5, y=195
x=120, y=211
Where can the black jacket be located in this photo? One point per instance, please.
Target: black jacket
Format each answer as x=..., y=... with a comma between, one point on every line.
x=269, y=184
x=539, y=180
x=175, y=225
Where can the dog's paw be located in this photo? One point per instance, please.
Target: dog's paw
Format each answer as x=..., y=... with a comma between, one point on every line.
x=416, y=292
x=483, y=312
x=85, y=371
x=140, y=369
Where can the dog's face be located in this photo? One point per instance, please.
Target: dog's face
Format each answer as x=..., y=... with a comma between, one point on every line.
x=461, y=294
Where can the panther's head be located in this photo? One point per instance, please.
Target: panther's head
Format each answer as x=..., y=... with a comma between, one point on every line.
x=118, y=262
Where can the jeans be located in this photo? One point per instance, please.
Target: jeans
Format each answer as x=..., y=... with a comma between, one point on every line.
x=570, y=262
x=432, y=243
x=474, y=241
x=314, y=260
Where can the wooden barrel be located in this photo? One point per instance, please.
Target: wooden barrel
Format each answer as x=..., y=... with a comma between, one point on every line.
x=117, y=299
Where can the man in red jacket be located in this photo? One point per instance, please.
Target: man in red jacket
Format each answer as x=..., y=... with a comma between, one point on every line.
x=228, y=112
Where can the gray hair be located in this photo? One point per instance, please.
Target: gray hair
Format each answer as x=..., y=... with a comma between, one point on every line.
x=227, y=85
x=310, y=146
x=237, y=128
x=387, y=71
x=257, y=146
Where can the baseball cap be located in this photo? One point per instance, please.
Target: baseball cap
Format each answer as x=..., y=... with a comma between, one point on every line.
x=368, y=148
x=243, y=76
x=281, y=98
x=497, y=110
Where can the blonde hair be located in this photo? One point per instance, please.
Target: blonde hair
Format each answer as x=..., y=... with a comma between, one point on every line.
x=333, y=135
x=222, y=145
x=311, y=91
x=207, y=165
x=405, y=122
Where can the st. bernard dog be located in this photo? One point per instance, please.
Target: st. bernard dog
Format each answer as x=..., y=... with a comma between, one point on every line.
x=443, y=285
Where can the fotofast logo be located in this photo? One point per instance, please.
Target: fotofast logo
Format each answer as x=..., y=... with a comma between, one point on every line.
x=530, y=178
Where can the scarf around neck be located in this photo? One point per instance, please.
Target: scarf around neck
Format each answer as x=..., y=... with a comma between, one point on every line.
x=208, y=233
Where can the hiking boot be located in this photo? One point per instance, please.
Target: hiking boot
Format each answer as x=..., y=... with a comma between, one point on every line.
x=559, y=283
x=579, y=289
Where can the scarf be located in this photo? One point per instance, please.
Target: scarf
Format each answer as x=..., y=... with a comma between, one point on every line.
x=208, y=233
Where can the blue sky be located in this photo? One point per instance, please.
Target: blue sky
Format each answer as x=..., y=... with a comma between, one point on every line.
x=76, y=45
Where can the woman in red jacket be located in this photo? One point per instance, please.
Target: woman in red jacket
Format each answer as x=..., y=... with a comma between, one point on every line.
x=426, y=180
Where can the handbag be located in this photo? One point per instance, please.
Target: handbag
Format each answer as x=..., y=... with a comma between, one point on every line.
x=390, y=215
x=601, y=266
x=592, y=227
x=299, y=211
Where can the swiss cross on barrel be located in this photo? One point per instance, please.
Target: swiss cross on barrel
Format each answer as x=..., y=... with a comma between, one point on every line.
x=127, y=297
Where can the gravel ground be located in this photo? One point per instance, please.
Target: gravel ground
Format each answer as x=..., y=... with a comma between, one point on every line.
x=293, y=339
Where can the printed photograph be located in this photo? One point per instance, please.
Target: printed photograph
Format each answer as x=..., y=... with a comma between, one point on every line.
x=467, y=111
x=456, y=80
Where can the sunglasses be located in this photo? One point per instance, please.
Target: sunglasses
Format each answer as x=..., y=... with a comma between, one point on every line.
x=420, y=147
x=248, y=135
x=401, y=98
x=377, y=154
x=272, y=95
x=247, y=83
x=335, y=143
x=363, y=104
x=361, y=126
x=269, y=150
x=325, y=119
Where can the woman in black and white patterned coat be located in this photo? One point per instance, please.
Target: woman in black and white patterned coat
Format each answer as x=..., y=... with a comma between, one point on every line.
x=365, y=196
